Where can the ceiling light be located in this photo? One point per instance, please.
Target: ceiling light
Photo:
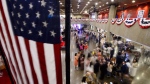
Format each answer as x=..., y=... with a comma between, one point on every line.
x=60, y=3
x=88, y=2
x=138, y=78
x=106, y=2
x=112, y=0
x=103, y=4
x=100, y=6
x=125, y=4
x=133, y=1
x=96, y=3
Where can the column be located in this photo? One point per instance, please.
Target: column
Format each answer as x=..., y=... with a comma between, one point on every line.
x=112, y=14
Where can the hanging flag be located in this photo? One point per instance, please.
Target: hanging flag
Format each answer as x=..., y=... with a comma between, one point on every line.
x=30, y=37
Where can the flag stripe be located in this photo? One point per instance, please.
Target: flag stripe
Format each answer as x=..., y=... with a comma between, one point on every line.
x=7, y=56
x=21, y=61
x=36, y=63
x=12, y=41
x=41, y=56
x=30, y=60
x=50, y=64
x=58, y=63
x=9, y=44
x=26, y=59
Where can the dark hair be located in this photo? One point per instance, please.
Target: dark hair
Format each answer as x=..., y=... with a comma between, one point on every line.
x=91, y=64
x=75, y=54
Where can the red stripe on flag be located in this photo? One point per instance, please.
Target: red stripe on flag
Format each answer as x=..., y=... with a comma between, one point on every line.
x=40, y=50
x=6, y=26
x=10, y=64
x=58, y=63
x=31, y=64
x=19, y=50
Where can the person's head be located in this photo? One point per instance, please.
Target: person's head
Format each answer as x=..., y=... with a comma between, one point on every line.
x=128, y=60
x=75, y=54
x=97, y=61
x=123, y=62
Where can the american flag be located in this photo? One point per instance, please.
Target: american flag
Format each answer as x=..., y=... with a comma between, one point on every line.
x=30, y=38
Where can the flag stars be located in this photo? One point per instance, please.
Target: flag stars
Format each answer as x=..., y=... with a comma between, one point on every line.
x=33, y=24
x=21, y=7
x=45, y=24
x=12, y=13
x=19, y=15
x=43, y=3
x=24, y=23
x=30, y=6
x=21, y=29
x=27, y=15
x=17, y=22
x=29, y=32
x=37, y=15
x=14, y=6
x=52, y=33
x=40, y=33
x=51, y=12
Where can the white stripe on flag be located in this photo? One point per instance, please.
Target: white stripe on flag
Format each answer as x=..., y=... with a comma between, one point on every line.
x=6, y=53
x=50, y=62
x=25, y=59
x=13, y=41
x=34, y=54
x=9, y=49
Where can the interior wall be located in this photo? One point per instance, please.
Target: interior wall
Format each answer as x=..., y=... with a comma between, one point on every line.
x=133, y=11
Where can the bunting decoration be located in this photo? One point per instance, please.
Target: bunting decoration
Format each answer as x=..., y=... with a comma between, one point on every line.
x=144, y=23
x=129, y=22
x=113, y=21
x=119, y=21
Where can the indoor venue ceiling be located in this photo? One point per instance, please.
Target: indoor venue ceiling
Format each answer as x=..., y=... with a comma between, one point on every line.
x=87, y=6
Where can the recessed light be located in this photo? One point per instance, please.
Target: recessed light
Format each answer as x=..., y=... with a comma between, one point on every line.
x=125, y=4
x=96, y=3
x=60, y=3
x=100, y=6
x=88, y=2
x=133, y=1
x=112, y=0
x=106, y=2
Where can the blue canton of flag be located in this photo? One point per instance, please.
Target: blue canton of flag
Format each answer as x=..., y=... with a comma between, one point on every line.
x=36, y=20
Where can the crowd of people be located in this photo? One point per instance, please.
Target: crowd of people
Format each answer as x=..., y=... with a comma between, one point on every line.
x=108, y=59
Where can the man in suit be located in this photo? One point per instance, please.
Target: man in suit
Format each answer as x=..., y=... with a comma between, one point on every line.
x=96, y=67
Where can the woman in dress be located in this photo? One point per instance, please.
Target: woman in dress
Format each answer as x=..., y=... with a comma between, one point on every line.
x=76, y=61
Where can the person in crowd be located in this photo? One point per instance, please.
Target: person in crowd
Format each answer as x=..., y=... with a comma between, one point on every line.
x=124, y=69
x=107, y=59
x=109, y=69
x=93, y=59
x=79, y=57
x=134, y=64
x=103, y=69
x=76, y=61
x=119, y=59
x=114, y=69
x=109, y=48
x=89, y=54
x=112, y=53
x=82, y=62
x=96, y=67
x=87, y=63
x=85, y=46
x=128, y=64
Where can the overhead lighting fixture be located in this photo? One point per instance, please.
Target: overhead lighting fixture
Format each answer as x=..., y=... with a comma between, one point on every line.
x=106, y=2
x=125, y=4
x=112, y=0
x=103, y=4
x=60, y=3
x=96, y=3
x=133, y=1
x=88, y=2
x=100, y=6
